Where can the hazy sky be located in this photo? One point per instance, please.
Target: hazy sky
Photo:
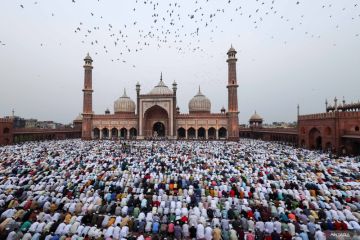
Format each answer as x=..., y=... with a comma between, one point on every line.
x=289, y=53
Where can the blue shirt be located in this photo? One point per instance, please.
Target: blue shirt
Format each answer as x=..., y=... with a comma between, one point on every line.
x=155, y=227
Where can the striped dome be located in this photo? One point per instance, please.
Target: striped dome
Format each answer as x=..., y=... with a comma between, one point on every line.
x=124, y=104
x=161, y=89
x=256, y=117
x=199, y=103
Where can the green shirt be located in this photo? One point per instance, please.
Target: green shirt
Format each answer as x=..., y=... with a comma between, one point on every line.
x=25, y=226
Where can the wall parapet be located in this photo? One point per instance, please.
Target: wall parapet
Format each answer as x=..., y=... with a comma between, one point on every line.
x=211, y=115
x=349, y=114
x=6, y=120
x=271, y=130
x=329, y=115
x=317, y=116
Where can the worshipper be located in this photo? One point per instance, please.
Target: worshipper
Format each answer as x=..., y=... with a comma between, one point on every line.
x=249, y=189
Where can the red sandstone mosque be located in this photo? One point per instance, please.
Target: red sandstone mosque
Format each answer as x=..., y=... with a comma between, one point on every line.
x=155, y=114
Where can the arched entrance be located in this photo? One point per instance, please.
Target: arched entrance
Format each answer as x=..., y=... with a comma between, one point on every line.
x=133, y=133
x=222, y=132
x=156, y=118
x=96, y=133
x=181, y=133
x=191, y=133
x=114, y=133
x=315, y=139
x=105, y=133
x=159, y=129
x=212, y=133
x=201, y=133
x=123, y=133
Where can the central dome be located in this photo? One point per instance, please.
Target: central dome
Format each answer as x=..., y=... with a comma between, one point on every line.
x=161, y=89
x=124, y=104
x=199, y=103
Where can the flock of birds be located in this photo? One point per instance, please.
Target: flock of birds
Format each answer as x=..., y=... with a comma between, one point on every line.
x=173, y=26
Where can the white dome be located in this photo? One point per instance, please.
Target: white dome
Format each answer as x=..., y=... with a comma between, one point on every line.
x=79, y=117
x=199, y=103
x=256, y=117
x=124, y=104
x=161, y=89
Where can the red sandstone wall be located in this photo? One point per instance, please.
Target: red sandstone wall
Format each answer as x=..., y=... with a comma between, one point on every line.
x=6, y=131
x=332, y=126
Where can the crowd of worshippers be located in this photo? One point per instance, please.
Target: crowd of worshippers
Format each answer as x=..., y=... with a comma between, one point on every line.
x=110, y=190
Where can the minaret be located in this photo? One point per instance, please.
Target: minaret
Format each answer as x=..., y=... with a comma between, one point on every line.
x=174, y=87
x=137, y=87
x=233, y=112
x=87, y=101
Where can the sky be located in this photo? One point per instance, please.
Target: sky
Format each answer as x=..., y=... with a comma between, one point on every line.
x=289, y=53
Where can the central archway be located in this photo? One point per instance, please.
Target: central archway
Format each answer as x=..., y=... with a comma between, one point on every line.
x=157, y=118
x=315, y=139
x=159, y=129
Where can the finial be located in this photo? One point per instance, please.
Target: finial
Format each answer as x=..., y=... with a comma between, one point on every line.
x=199, y=90
x=336, y=106
x=343, y=100
x=161, y=76
x=124, y=95
x=298, y=109
x=88, y=58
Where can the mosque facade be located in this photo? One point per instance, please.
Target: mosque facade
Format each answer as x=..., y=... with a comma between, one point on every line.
x=155, y=114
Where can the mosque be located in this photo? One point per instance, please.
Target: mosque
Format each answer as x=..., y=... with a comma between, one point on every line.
x=155, y=113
